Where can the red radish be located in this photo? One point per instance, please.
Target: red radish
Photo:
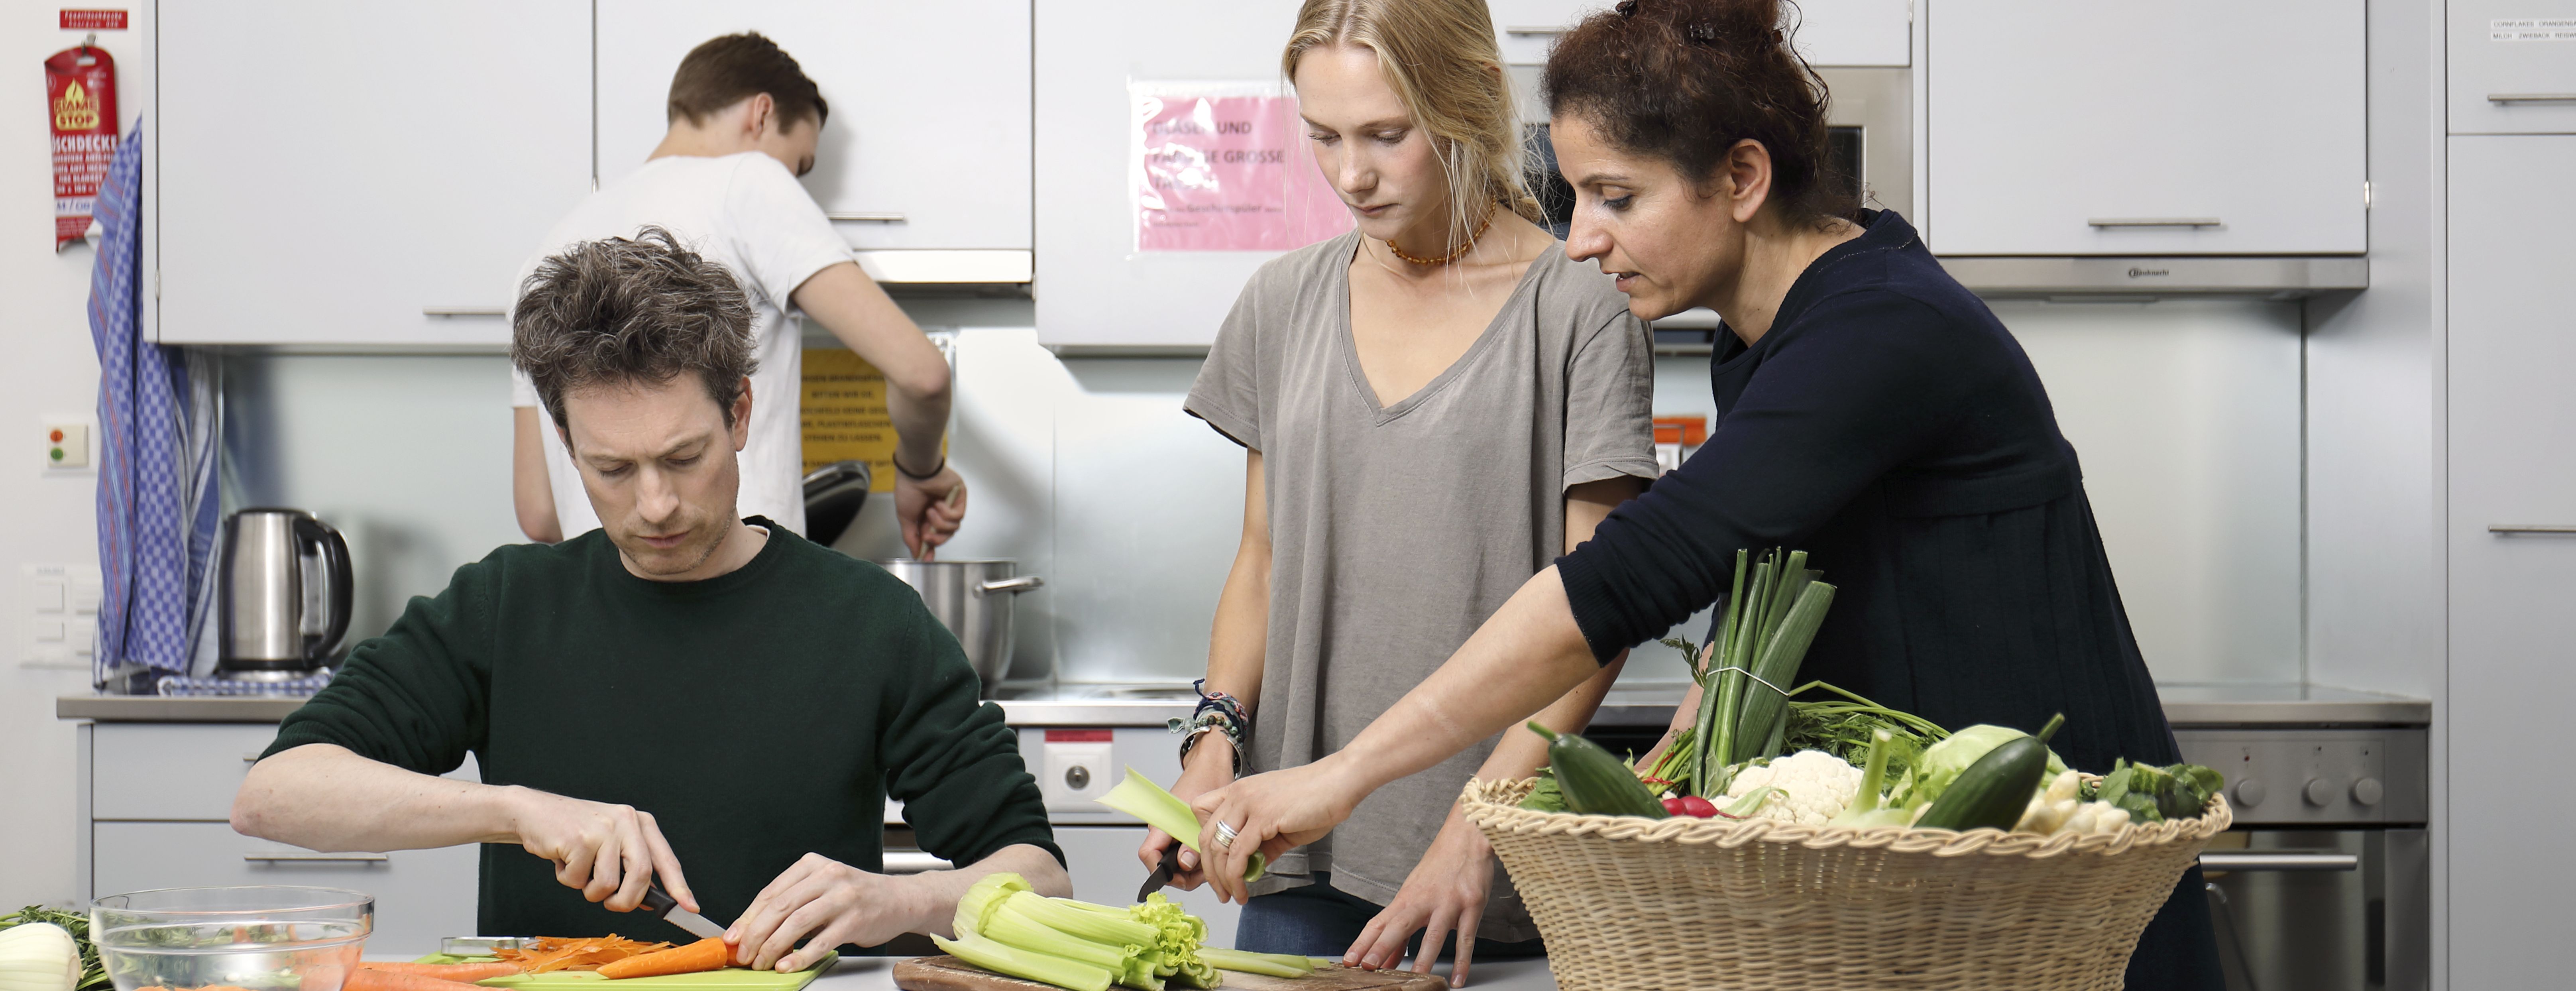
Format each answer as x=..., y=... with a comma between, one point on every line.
x=1674, y=806
x=1696, y=807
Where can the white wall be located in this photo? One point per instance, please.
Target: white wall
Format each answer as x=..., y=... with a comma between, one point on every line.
x=51, y=370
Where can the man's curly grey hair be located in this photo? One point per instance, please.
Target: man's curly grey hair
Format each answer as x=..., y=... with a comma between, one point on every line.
x=621, y=310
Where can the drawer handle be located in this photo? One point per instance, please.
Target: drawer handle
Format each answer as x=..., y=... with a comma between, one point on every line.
x=2511, y=98
x=2233, y=861
x=463, y=311
x=1527, y=30
x=864, y=218
x=912, y=862
x=2100, y=222
x=2509, y=528
x=314, y=858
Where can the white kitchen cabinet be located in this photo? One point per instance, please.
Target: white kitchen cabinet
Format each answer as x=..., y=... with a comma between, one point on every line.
x=2513, y=66
x=927, y=144
x=2190, y=127
x=1829, y=32
x=2512, y=424
x=1094, y=288
x=421, y=895
x=159, y=803
x=335, y=173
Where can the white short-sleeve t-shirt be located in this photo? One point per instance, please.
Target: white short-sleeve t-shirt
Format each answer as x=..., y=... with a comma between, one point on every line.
x=747, y=213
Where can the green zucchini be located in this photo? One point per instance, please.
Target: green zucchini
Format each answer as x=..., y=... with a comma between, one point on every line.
x=1996, y=790
x=1593, y=781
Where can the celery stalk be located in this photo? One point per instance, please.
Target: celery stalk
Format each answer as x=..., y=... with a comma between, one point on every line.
x=1044, y=968
x=1274, y=965
x=1114, y=930
x=975, y=907
x=1139, y=796
x=1251, y=963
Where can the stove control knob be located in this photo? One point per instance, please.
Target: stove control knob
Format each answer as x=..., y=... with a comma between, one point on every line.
x=2368, y=791
x=2250, y=792
x=2319, y=792
x=1077, y=777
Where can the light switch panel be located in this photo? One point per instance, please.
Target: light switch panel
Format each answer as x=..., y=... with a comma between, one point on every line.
x=66, y=445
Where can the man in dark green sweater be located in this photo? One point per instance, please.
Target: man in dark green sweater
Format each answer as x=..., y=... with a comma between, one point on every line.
x=681, y=686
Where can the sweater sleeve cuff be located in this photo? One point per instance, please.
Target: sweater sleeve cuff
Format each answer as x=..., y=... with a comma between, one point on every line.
x=1596, y=611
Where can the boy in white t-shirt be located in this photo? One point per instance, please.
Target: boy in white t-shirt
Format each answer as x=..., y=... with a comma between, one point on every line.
x=744, y=121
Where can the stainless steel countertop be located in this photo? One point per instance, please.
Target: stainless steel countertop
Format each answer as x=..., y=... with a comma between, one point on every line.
x=1149, y=705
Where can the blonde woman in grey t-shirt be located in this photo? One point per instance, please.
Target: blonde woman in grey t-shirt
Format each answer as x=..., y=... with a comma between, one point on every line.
x=1433, y=406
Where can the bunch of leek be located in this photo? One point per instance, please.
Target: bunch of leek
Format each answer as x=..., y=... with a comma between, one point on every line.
x=1004, y=927
x=1769, y=622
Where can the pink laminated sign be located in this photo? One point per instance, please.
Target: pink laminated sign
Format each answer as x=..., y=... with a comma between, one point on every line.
x=1226, y=169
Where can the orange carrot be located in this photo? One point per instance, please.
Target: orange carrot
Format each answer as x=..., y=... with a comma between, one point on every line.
x=466, y=972
x=370, y=979
x=705, y=954
x=552, y=953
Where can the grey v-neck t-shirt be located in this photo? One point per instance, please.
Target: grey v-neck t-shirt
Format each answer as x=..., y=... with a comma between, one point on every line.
x=1396, y=530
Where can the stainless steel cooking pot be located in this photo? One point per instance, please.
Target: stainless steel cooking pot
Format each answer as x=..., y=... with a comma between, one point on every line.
x=972, y=599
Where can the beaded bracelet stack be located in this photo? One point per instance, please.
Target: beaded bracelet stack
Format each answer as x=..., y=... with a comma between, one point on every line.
x=1218, y=712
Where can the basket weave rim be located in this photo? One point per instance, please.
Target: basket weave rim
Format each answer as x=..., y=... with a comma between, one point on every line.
x=1494, y=806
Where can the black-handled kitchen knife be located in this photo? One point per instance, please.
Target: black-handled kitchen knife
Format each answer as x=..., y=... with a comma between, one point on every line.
x=660, y=904
x=1162, y=873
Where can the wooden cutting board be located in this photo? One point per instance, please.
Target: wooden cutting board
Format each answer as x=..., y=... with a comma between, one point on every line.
x=952, y=974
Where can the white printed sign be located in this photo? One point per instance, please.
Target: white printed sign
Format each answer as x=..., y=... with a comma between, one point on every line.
x=2532, y=29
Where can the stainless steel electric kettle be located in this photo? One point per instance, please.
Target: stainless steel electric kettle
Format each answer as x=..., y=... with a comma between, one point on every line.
x=268, y=626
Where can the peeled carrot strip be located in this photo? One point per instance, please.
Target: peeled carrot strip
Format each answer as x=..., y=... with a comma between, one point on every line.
x=705, y=954
x=466, y=972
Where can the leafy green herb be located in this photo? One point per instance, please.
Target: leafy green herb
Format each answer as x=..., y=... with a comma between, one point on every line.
x=1544, y=796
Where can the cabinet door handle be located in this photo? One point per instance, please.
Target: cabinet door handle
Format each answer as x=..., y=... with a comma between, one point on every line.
x=864, y=218
x=2231, y=860
x=463, y=311
x=1527, y=30
x=2153, y=222
x=2530, y=528
x=2531, y=98
x=912, y=862
x=250, y=758
x=314, y=858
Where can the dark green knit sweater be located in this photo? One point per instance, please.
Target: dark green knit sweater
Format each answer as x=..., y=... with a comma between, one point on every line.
x=758, y=715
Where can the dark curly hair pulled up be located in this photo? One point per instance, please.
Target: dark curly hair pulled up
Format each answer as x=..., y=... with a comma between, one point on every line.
x=1684, y=80
x=641, y=309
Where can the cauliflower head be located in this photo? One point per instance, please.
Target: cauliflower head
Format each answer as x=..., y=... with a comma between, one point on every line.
x=1818, y=786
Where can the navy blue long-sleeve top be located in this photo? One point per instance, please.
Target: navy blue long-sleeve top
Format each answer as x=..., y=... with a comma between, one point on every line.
x=1889, y=425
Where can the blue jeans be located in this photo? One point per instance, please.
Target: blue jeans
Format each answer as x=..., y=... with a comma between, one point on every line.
x=1319, y=920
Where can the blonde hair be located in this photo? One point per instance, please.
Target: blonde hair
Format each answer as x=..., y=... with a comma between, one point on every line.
x=1440, y=57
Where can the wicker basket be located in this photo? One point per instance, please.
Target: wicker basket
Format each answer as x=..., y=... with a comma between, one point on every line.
x=1629, y=903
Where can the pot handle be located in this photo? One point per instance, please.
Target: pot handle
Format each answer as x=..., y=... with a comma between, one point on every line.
x=1023, y=583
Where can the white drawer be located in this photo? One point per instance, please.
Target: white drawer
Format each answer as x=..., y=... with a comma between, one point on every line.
x=1102, y=860
x=185, y=771
x=421, y=895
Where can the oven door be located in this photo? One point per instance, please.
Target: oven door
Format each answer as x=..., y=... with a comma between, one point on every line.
x=2309, y=910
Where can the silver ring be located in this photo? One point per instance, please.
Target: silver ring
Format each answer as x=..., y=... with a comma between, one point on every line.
x=1225, y=836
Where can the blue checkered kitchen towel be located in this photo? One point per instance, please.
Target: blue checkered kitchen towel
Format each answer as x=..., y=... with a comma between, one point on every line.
x=157, y=502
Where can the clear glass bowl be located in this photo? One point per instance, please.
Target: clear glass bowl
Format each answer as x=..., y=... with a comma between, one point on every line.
x=250, y=938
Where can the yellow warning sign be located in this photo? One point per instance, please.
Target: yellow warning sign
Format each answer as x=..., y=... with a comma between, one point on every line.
x=845, y=416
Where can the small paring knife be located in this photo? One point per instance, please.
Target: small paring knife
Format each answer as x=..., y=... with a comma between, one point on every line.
x=1163, y=873
x=659, y=904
